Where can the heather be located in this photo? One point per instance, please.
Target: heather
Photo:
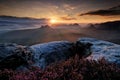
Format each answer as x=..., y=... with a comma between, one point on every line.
x=71, y=69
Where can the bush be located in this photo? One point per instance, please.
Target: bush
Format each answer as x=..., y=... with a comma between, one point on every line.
x=72, y=69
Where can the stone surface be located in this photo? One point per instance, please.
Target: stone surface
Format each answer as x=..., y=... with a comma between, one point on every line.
x=47, y=53
x=13, y=56
x=100, y=49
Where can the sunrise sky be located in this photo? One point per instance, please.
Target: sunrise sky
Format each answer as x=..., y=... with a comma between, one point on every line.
x=63, y=11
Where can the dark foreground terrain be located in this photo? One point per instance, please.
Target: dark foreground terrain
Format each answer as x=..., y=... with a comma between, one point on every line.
x=72, y=69
x=102, y=64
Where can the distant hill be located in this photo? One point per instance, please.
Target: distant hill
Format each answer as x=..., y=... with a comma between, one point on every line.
x=40, y=35
x=105, y=31
x=113, y=25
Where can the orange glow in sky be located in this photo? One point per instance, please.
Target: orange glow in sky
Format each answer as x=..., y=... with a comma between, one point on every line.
x=53, y=21
x=63, y=11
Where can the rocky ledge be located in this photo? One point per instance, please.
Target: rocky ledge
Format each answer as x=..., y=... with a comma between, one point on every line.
x=13, y=56
x=103, y=49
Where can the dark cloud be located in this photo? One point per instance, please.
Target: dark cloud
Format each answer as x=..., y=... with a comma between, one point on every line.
x=84, y=3
x=67, y=18
x=5, y=16
x=107, y=12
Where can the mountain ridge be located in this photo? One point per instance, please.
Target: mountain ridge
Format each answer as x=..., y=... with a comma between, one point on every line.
x=111, y=25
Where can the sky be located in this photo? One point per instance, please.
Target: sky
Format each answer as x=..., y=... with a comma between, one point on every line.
x=63, y=11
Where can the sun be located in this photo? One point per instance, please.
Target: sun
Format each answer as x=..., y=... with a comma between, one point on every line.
x=53, y=21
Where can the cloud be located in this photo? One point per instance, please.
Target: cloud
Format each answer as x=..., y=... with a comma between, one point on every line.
x=5, y=17
x=107, y=12
x=67, y=18
x=69, y=7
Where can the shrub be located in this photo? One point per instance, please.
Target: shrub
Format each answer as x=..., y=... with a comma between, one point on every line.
x=72, y=69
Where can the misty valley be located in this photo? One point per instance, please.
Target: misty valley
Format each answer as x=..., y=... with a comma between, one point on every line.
x=22, y=31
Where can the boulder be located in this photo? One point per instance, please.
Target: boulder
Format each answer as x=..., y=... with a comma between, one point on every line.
x=83, y=49
x=47, y=53
x=13, y=56
x=103, y=49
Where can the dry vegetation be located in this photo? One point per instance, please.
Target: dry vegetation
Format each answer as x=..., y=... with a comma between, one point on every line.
x=72, y=69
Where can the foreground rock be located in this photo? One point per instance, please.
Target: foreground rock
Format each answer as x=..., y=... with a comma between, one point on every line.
x=13, y=56
x=47, y=53
x=100, y=49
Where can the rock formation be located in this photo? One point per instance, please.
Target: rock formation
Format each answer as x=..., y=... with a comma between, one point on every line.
x=103, y=49
x=13, y=56
x=47, y=53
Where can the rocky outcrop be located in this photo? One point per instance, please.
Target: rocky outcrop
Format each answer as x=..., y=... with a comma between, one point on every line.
x=47, y=53
x=13, y=56
x=103, y=49
x=83, y=49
